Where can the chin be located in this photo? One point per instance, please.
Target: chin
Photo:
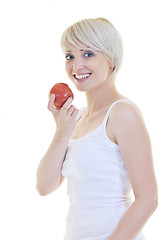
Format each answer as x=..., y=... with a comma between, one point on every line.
x=82, y=88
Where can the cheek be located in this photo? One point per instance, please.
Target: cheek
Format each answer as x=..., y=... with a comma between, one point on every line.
x=68, y=68
x=106, y=68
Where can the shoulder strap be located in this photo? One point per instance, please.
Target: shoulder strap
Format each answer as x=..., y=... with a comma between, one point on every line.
x=110, y=108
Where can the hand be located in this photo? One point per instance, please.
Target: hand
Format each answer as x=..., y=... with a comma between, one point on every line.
x=65, y=118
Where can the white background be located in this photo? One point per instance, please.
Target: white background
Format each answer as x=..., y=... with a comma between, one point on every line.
x=31, y=62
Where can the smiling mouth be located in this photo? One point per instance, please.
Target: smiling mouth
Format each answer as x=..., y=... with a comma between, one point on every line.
x=82, y=76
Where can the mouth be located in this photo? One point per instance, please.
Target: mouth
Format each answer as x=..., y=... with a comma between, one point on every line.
x=82, y=77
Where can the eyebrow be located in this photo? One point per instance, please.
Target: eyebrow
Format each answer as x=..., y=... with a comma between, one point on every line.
x=80, y=49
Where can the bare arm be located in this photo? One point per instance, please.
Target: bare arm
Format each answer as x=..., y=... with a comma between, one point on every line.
x=49, y=169
x=134, y=143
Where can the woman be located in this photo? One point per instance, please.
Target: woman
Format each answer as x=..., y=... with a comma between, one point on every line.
x=103, y=150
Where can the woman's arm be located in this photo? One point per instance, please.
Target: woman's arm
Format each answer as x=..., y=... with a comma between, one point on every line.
x=134, y=143
x=49, y=169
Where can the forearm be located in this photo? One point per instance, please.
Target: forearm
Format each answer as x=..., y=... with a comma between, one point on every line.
x=134, y=220
x=49, y=169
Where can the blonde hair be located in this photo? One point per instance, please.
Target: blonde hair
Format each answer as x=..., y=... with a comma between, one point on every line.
x=98, y=34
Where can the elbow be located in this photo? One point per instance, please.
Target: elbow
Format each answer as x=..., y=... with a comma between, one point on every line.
x=45, y=188
x=153, y=206
x=43, y=191
x=151, y=201
x=154, y=199
x=155, y=202
x=148, y=201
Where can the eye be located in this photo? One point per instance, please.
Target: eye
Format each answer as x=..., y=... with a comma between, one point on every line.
x=69, y=56
x=88, y=54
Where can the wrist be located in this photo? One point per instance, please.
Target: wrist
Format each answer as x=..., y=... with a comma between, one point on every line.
x=62, y=136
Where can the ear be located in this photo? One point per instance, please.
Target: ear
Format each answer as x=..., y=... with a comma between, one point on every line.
x=111, y=69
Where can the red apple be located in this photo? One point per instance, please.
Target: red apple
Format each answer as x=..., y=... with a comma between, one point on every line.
x=62, y=93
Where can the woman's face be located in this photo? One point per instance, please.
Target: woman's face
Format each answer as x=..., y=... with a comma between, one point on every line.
x=86, y=68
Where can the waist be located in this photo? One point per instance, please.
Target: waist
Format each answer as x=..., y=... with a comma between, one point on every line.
x=90, y=196
x=93, y=221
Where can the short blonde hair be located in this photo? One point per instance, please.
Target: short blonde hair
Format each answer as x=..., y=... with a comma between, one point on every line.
x=98, y=34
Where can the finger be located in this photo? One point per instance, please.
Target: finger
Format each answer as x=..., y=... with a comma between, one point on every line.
x=67, y=103
x=75, y=112
x=51, y=102
x=70, y=110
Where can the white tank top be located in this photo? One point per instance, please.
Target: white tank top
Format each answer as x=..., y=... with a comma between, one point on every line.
x=97, y=185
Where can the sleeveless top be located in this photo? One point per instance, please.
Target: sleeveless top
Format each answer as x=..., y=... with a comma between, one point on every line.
x=98, y=185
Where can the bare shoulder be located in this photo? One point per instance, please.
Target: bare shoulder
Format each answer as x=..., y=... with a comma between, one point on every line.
x=125, y=117
x=126, y=112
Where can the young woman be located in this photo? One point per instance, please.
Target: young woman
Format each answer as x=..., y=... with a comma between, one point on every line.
x=103, y=150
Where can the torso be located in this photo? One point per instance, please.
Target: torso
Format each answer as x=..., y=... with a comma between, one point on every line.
x=87, y=124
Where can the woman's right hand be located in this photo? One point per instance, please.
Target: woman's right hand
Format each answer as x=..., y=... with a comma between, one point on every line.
x=65, y=117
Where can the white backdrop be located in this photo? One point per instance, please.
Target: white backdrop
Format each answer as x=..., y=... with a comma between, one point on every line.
x=31, y=62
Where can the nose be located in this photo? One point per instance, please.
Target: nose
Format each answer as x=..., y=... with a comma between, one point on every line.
x=77, y=64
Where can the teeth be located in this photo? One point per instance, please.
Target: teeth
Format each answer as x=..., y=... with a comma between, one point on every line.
x=82, y=76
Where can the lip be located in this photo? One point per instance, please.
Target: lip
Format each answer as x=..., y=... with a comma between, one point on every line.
x=82, y=79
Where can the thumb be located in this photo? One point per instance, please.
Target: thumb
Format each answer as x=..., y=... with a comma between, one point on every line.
x=50, y=106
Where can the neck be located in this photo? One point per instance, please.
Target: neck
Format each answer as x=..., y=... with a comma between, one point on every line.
x=101, y=97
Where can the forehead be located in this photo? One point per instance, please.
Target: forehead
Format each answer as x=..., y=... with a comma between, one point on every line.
x=79, y=49
x=76, y=44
